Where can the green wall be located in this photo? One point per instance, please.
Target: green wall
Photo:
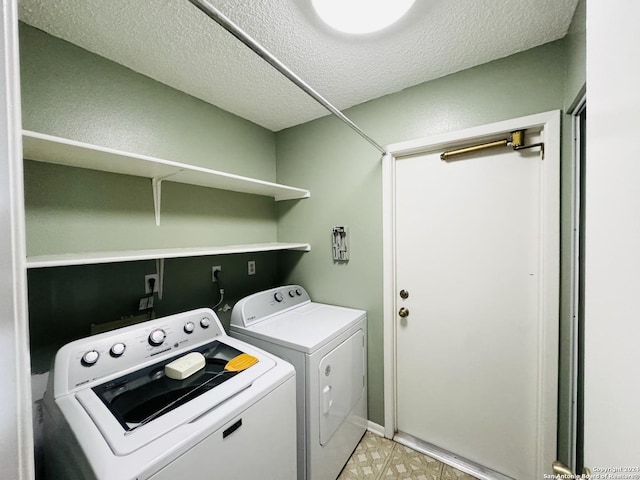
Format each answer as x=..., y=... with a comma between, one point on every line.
x=344, y=173
x=73, y=93
x=70, y=92
x=65, y=302
x=576, y=44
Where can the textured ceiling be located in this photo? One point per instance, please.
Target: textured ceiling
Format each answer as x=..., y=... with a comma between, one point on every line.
x=176, y=44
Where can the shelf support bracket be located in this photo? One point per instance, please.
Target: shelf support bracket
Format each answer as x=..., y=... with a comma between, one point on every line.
x=156, y=185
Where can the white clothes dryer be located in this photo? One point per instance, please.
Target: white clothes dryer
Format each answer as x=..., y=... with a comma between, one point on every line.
x=112, y=413
x=327, y=345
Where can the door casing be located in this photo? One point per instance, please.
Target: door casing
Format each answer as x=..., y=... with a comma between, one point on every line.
x=550, y=256
x=575, y=421
x=16, y=434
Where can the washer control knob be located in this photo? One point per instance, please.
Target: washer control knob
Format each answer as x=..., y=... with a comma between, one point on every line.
x=278, y=297
x=205, y=322
x=292, y=293
x=189, y=327
x=90, y=358
x=117, y=349
x=298, y=292
x=156, y=337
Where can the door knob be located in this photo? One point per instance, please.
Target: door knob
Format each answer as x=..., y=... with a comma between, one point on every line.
x=563, y=471
x=404, y=312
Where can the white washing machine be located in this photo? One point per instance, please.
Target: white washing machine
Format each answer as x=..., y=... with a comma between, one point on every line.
x=327, y=345
x=111, y=412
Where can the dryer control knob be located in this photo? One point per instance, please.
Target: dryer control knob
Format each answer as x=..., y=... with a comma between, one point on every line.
x=278, y=297
x=90, y=358
x=189, y=327
x=156, y=337
x=292, y=293
x=117, y=349
x=298, y=292
x=205, y=322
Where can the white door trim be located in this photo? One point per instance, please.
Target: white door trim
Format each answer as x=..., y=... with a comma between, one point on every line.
x=16, y=435
x=574, y=309
x=550, y=242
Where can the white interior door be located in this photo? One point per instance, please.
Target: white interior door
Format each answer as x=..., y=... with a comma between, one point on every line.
x=474, y=358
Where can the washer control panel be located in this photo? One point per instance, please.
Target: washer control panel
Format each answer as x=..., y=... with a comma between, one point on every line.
x=262, y=305
x=101, y=355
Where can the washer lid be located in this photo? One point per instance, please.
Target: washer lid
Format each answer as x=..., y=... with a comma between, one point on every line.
x=122, y=404
x=305, y=328
x=139, y=397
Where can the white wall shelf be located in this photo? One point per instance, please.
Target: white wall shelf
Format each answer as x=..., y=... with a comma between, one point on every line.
x=63, y=151
x=92, y=258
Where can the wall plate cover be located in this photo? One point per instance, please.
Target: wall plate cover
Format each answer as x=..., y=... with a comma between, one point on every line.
x=156, y=284
x=215, y=269
x=340, y=243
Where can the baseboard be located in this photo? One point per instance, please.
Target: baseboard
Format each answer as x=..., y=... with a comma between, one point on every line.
x=375, y=429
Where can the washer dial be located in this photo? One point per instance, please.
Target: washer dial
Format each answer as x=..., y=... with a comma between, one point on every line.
x=189, y=327
x=117, y=349
x=156, y=337
x=90, y=358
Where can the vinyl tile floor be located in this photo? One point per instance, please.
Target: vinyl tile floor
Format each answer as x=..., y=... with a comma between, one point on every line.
x=378, y=458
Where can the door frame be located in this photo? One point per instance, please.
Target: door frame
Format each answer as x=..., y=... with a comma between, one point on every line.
x=574, y=440
x=550, y=254
x=16, y=436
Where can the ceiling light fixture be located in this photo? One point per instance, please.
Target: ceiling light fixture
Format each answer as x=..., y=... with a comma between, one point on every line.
x=361, y=16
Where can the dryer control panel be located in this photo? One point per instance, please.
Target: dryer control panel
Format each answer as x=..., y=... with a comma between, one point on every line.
x=262, y=305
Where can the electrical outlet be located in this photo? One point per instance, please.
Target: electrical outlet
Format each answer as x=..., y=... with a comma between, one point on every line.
x=215, y=269
x=251, y=267
x=147, y=285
